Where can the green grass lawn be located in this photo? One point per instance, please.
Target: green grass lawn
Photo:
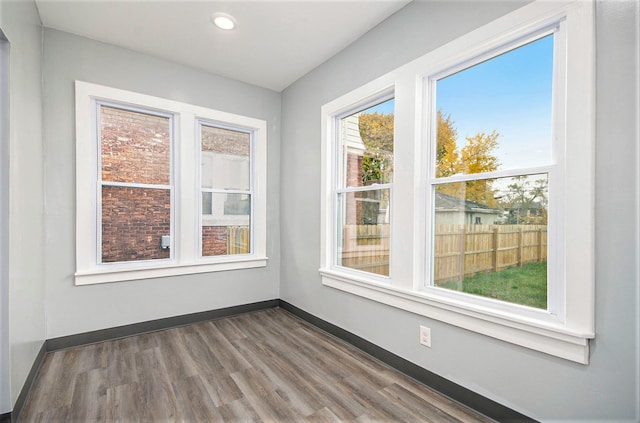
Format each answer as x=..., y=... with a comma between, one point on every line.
x=526, y=285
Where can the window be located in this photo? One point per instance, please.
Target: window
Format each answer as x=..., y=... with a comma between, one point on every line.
x=491, y=207
x=136, y=184
x=494, y=118
x=364, y=190
x=225, y=158
x=149, y=211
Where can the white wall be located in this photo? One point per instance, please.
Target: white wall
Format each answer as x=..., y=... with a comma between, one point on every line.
x=76, y=309
x=21, y=25
x=538, y=385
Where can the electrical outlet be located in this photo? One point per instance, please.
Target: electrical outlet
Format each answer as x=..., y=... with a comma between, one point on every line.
x=425, y=336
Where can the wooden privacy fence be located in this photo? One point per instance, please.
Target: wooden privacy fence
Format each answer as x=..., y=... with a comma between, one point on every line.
x=238, y=240
x=460, y=251
x=366, y=248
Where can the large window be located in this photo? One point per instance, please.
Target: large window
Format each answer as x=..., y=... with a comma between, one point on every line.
x=491, y=168
x=136, y=184
x=225, y=159
x=165, y=188
x=490, y=214
x=363, y=194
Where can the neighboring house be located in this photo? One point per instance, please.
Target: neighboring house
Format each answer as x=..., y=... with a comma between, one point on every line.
x=368, y=208
x=452, y=210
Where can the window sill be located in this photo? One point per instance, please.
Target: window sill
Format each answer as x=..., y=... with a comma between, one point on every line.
x=120, y=273
x=551, y=338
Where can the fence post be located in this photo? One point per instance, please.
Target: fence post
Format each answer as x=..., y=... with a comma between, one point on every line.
x=539, y=244
x=495, y=248
x=462, y=250
x=520, y=245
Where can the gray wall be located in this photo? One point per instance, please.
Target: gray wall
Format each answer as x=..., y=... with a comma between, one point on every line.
x=74, y=309
x=5, y=388
x=536, y=384
x=26, y=328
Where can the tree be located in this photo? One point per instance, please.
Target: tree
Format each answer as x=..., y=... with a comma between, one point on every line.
x=477, y=156
x=447, y=154
x=376, y=131
x=525, y=202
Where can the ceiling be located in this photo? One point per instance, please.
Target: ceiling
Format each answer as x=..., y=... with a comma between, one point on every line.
x=274, y=43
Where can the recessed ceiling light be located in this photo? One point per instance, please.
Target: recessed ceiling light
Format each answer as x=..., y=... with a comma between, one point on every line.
x=223, y=21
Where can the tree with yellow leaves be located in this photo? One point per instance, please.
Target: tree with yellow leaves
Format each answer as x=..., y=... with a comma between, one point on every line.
x=376, y=132
x=477, y=156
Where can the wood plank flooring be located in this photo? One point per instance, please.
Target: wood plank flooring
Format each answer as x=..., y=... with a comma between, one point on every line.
x=265, y=366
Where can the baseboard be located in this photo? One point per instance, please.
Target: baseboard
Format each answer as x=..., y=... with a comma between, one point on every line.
x=452, y=390
x=93, y=337
x=26, y=388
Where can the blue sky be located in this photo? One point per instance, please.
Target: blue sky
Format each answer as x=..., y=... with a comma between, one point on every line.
x=510, y=93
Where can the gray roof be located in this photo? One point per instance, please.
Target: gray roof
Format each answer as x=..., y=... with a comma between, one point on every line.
x=446, y=202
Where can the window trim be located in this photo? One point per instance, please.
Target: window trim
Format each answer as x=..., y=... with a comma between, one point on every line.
x=250, y=191
x=184, y=257
x=100, y=183
x=340, y=184
x=566, y=336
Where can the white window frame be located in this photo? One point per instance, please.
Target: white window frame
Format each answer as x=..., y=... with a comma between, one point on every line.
x=185, y=257
x=340, y=183
x=250, y=192
x=101, y=183
x=566, y=329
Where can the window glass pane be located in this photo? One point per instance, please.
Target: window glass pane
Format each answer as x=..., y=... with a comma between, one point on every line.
x=225, y=158
x=225, y=229
x=206, y=203
x=490, y=238
x=497, y=115
x=363, y=231
x=135, y=147
x=134, y=220
x=367, y=142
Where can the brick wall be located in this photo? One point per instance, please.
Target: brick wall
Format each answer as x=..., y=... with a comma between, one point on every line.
x=225, y=141
x=135, y=149
x=133, y=222
x=214, y=241
x=354, y=179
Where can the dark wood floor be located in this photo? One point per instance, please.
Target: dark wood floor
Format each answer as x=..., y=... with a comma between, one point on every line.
x=264, y=366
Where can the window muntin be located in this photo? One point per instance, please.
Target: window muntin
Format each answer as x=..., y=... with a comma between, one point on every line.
x=135, y=184
x=364, y=194
x=226, y=190
x=508, y=100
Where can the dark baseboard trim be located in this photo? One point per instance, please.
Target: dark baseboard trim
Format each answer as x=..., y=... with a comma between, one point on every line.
x=26, y=388
x=87, y=338
x=452, y=390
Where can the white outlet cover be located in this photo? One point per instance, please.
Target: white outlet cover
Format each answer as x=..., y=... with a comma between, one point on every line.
x=425, y=336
